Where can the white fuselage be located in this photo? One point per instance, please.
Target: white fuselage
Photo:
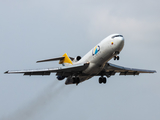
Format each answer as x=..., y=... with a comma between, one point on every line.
x=102, y=53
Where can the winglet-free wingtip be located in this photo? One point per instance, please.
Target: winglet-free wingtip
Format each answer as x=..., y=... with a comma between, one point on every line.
x=6, y=72
x=153, y=71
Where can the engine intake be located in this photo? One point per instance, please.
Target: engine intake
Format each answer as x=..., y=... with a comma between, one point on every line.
x=78, y=58
x=60, y=77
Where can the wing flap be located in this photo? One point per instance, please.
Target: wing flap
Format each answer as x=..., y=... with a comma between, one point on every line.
x=129, y=73
x=37, y=73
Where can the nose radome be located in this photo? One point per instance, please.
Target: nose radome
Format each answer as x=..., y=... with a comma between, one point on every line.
x=122, y=40
x=120, y=43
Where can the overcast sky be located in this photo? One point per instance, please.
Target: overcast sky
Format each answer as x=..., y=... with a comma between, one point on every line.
x=39, y=29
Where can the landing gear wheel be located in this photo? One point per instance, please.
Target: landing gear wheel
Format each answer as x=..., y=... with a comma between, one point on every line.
x=76, y=80
x=100, y=80
x=104, y=80
x=116, y=57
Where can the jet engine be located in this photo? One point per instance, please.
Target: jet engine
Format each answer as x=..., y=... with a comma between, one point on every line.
x=60, y=77
x=77, y=58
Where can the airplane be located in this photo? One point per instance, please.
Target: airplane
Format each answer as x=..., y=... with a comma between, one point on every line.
x=94, y=63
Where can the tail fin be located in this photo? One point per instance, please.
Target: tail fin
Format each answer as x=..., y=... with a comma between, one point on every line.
x=66, y=61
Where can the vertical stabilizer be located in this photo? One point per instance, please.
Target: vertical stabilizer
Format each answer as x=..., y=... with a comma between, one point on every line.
x=66, y=61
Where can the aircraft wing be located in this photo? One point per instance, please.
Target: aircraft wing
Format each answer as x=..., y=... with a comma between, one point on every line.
x=65, y=70
x=111, y=69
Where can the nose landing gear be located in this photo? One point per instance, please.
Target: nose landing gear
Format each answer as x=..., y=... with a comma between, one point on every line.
x=102, y=80
x=116, y=57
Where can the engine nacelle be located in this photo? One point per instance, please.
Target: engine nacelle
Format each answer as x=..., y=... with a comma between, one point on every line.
x=60, y=77
x=78, y=58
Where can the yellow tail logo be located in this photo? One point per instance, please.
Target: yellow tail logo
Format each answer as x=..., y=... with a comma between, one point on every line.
x=65, y=60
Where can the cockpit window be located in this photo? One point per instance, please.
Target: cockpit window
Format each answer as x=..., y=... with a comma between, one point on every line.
x=117, y=36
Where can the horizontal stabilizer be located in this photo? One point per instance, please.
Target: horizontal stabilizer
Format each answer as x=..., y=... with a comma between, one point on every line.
x=52, y=59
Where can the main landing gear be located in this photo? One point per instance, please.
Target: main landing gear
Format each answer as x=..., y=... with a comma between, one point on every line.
x=102, y=80
x=116, y=57
x=76, y=80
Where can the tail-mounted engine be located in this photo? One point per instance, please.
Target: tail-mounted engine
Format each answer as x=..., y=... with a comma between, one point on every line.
x=77, y=58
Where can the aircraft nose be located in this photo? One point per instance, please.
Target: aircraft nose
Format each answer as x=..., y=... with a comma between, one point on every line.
x=122, y=38
x=120, y=42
